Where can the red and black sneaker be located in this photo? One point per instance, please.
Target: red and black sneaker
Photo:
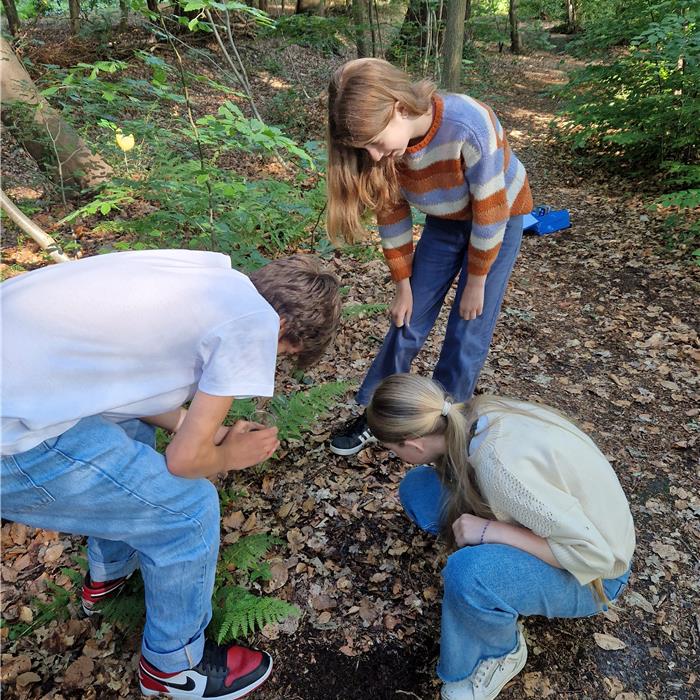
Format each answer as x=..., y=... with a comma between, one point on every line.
x=96, y=592
x=225, y=672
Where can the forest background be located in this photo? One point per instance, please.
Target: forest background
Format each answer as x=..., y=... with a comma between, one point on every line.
x=200, y=124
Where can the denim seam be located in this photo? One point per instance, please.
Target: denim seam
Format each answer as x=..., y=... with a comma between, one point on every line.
x=45, y=497
x=93, y=466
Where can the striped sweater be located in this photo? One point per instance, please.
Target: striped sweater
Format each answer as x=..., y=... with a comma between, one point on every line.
x=461, y=169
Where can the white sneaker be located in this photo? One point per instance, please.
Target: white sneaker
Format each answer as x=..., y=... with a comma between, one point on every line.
x=490, y=676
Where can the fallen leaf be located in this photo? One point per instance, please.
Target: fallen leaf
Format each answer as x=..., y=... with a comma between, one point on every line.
x=608, y=642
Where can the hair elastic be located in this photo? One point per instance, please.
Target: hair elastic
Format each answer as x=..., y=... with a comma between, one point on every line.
x=446, y=406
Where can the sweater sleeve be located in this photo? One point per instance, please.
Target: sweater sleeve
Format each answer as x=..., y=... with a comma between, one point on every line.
x=554, y=514
x=484, y=156
x=396, y=235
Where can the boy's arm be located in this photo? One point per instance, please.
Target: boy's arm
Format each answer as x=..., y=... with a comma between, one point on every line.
x=194, y=452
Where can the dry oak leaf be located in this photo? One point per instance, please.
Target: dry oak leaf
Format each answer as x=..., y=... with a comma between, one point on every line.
x=608, y=642
x=79, y=673
x=13, y=666
x=536, y=685
x=25, y=679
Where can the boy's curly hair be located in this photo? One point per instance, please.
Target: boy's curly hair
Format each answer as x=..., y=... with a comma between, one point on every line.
x=307, y=296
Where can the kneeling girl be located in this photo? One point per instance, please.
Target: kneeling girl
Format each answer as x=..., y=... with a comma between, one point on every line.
x=534, y=511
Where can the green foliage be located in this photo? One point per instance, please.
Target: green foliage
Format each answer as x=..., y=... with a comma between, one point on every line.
x=238, y=613
x=295, y=413
x=246, y=555
x=327, y=34
x=642, y=110
x=352, y=310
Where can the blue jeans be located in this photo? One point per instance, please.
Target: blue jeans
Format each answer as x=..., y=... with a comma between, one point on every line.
x=441, y=253
x=487, y=587
x=106, y=480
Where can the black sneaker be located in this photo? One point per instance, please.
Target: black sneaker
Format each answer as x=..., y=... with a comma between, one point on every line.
x=225, y=673
x=354, y=436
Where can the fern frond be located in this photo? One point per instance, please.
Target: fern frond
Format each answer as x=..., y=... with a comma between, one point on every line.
x=246, y=554
x=352, y=310
x=239, y=613
x=296, y=413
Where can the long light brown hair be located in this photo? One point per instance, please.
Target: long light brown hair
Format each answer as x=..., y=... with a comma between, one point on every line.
x=362, y=97
x=407, y=406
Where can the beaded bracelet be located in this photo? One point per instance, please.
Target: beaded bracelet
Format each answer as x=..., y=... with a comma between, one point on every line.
x=483, y=532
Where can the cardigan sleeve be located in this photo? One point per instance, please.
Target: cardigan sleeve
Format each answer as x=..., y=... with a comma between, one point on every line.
x=553, y=514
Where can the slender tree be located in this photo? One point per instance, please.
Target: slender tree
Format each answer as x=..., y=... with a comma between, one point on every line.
x=360, y=20
x=572, y=25
x=74, y=12
x=515, y=45
x=13, y=22
x=454, y=44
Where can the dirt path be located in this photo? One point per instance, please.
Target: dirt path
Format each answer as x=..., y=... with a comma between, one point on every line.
x=597, y=322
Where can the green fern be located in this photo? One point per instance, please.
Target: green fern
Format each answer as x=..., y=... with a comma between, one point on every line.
x=127, y=610
x=352, y=310
x=238, y=613
x=295, y=413
x=245, y=555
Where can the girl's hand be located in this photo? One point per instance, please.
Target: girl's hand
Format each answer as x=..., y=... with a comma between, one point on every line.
x=472, y=302
x=402, y=306
x=468, y=529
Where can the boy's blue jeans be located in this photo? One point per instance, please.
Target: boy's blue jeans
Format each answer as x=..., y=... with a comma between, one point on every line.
x=488, y=586
x=440, y=254
x=106, y=480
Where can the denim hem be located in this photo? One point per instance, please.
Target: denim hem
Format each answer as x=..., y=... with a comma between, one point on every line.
x=108, y=571
x=464, y=677
x=181, y=659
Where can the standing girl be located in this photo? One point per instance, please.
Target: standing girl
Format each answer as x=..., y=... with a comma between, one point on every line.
x=393, y=143
x=534, y=511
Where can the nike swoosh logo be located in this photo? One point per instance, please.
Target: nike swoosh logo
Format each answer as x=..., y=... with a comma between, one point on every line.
x=179, y=686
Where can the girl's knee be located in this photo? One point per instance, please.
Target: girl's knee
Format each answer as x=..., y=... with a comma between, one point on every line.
x=470, y=569
x=417, y=482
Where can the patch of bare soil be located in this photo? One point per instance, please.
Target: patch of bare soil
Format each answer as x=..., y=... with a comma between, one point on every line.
x=599, y=321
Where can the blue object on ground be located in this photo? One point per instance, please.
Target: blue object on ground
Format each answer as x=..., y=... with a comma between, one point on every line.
x=544, y=220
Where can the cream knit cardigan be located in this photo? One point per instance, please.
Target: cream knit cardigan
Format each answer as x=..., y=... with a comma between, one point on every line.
x=550, y=477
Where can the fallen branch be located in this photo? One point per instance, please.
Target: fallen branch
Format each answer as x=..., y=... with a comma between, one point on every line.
x=32, y=230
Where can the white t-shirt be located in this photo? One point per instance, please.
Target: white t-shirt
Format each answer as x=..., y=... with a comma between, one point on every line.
x=128, y=335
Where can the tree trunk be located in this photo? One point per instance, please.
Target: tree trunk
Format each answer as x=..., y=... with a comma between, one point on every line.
x=454, y=44
x=13, y=22
x=50, y=140
x=74, y=8
x=309, y=7
x=571, y=16
x=153, y=6
x=412, y=31
x=124, y=11
x=515, y=45
x=360, y=20
x=262, y=5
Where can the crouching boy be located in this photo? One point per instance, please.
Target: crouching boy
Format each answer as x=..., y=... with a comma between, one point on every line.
x=96, y=354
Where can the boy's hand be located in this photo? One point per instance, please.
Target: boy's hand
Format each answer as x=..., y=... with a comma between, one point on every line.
x=467, y=529
x=250, y=443
x=402, y=306
x=472, y=302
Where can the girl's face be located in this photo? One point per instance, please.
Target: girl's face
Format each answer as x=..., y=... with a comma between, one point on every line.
x=424, y=450
x=393, y=140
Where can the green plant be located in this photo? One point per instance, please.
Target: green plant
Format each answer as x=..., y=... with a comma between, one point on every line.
x=327, y=34
x=295, y=413
x=237, y=612
x=352, y=310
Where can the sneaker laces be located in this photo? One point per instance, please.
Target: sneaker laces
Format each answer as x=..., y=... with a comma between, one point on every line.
x=353, y=426
x=214, y=658
x=486, y=669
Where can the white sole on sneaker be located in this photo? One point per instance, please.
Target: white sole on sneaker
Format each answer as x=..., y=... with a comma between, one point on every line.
x=353, y=450
x=196, y=696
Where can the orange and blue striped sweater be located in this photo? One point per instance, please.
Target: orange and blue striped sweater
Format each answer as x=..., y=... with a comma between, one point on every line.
x=461, y=169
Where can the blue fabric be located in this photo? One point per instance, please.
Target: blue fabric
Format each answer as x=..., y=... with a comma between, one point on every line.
x=487, y=587
x=107, y=481
x=441, y=253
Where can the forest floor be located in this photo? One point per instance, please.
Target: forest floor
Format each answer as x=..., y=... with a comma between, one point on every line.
x=599, y=321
